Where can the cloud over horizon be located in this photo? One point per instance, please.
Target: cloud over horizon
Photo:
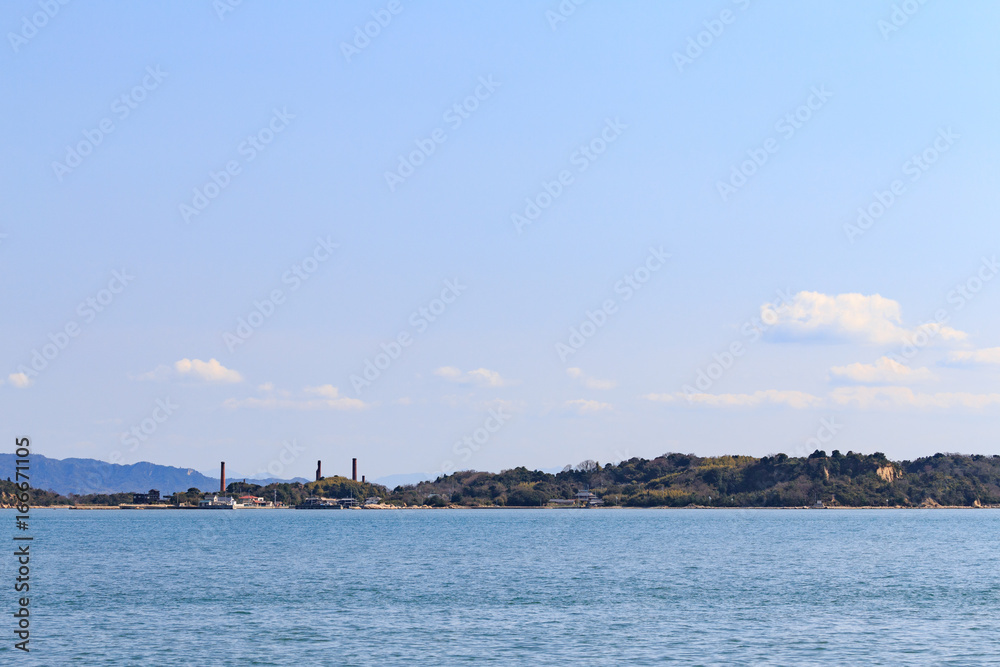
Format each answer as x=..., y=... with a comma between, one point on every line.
x=871, y=319
x=904, y=397
x=583, y=406
x=207, y=371
x=482, y=377
x=983, y=357
x=791, y=398
x=884, y=371
x=590, y=382
x=866, y=398
x=329, y=399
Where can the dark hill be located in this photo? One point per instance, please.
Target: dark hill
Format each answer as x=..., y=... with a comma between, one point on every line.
x=87, y=476
x=678, y=480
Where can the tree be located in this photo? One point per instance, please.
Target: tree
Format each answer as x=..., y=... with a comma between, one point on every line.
x=526, y=497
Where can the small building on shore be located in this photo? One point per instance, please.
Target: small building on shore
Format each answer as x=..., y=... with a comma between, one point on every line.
x=217, y=502
x=253, y=501
x=585, y=498
x=317, y=503
x=150, y=498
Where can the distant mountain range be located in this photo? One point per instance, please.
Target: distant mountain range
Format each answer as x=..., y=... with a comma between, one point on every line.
x=83, y=476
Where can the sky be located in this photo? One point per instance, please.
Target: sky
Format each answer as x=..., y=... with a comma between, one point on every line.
x=455, y=236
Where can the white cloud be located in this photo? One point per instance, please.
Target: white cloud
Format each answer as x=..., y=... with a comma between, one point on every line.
x=872, y=319
x=878, y=398
x=904, y=397
x=884, y=370
x=210, y=371
x=329, y=399
x=483, y=377
x=585, y=406
x=989, y=355
x=158, y=374
x=589, y=382
x=324, y=390
x=487, y=377
x=19, y=380
x=449, y=373
x=793, y=399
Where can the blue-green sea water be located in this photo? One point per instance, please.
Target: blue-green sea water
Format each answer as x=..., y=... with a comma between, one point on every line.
x=510, y=587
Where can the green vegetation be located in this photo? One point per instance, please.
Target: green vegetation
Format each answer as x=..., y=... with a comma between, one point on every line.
x=39, y=498
x=9, y=491
x=295, y=493
x=679, y=480
x=289, y=494
x=671, y=480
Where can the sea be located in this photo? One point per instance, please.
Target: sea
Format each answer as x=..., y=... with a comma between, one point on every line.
x=508, y=587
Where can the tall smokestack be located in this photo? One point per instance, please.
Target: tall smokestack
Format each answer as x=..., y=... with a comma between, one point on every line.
x=319, y=470
x=222, y=482
x=354, y=470
x=362, y=479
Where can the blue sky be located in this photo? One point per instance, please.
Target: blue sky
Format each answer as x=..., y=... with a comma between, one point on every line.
x=250, y=155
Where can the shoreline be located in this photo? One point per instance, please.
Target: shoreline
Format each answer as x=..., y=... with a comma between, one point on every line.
x=525, y=507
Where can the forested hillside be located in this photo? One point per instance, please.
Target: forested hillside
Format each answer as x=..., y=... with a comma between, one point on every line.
x=671, y=480
x=678, y=480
